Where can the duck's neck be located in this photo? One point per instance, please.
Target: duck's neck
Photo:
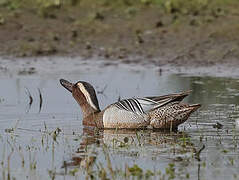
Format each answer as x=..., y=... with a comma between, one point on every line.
x=89, y=106
x=88, y=110
x=91, y=116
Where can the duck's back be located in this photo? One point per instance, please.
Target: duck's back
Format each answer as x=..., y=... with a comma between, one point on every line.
x=162, y=112
x=133, y=112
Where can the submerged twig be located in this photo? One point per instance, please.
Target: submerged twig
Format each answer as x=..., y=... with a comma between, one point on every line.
x=40, y=96
x=8, y=160
x=30, y=96
x=30, y=100
x=197, y=154
x=20, y=154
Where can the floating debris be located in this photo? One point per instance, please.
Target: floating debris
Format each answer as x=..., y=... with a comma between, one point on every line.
x=217, y=125
x=29, y=71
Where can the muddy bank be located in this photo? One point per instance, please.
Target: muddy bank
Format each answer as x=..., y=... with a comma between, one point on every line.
x=132, y=32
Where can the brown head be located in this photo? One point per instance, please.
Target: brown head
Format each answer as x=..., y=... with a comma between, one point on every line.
x=84, y=94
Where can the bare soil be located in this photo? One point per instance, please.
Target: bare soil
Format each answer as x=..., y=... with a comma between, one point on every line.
x=139, y=34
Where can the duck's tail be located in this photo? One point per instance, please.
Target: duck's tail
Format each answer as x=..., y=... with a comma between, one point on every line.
x=194, y=107
x=172, y=115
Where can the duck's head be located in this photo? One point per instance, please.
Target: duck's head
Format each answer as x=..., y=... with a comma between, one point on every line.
x=84, y=94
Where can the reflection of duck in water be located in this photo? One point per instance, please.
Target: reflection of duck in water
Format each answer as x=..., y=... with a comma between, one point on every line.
x=162, y=112
x=129, y=143
x=82, y=157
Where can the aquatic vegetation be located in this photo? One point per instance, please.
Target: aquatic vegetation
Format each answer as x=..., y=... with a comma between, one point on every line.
x=135, y=170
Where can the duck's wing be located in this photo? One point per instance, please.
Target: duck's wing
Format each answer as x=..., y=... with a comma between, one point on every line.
x=146, y=104
x=173, y=97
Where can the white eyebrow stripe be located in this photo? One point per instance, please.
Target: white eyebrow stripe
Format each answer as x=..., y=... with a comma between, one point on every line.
x=87, y=95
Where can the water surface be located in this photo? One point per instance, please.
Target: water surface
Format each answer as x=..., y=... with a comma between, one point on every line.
x=50, y=142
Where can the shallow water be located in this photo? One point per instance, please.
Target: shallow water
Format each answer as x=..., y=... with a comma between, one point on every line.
x=50, y=142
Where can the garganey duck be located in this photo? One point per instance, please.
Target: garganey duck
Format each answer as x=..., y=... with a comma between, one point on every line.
x=159, y=112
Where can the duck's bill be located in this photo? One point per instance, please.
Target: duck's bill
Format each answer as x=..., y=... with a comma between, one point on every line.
x=66, y=84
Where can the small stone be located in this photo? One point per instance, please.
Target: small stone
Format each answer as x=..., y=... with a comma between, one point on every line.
x=159, y=24
x=88, y=45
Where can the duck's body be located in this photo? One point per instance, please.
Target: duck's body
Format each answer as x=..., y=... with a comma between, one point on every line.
x=161, y=112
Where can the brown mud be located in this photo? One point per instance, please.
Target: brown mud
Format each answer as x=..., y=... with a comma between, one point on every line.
x=134, y=33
